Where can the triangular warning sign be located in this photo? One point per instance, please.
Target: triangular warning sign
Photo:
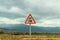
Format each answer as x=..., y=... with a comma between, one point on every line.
x=30, y=20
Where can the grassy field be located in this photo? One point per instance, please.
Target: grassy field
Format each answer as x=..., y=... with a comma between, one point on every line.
x=26, y=37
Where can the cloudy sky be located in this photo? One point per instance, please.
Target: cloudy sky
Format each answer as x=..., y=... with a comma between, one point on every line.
x=45, y=12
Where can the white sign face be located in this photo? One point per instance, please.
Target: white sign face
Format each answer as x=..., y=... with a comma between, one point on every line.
x=30, y=20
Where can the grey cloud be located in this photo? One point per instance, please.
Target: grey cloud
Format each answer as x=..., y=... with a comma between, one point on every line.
x=40, y=10
x=11, y=15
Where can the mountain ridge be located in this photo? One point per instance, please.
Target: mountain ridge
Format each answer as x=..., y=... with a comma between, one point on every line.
x=25, y=28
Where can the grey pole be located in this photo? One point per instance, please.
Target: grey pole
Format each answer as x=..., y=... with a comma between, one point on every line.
x=30, y=31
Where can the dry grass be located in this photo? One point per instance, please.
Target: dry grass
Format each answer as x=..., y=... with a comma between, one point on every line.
x=26, y=37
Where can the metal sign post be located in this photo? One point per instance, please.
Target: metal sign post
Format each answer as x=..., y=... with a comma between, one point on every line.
x=30, y=31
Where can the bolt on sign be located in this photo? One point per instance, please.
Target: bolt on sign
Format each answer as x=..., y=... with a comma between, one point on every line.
x=30, y=20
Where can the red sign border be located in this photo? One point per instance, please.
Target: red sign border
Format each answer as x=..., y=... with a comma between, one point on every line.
x=32, y=18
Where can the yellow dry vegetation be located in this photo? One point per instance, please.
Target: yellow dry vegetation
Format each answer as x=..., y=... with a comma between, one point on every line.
x=26, y=37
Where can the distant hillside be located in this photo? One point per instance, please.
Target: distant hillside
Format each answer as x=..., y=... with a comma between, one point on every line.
x=25, y=28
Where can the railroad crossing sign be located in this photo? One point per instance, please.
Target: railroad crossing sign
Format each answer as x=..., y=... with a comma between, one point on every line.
x=30, y=20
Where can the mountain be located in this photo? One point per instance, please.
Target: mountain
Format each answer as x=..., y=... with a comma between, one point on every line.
x=25, y=28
